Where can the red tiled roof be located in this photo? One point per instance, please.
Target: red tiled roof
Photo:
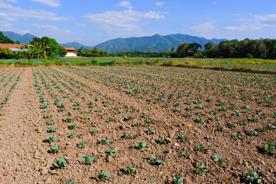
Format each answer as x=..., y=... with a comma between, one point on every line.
x=11, y=45
x=70, y=49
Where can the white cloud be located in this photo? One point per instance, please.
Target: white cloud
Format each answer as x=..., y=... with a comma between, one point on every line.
x=123, y=23
x=269, y=19
x=159, y=3
x=52, y=3
x=10, y=12
x=243, y=26
x=125, y=4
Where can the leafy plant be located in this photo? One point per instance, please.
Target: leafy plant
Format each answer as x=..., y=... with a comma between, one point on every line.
x=201, y=169
x=105, y=175
x=72, y=126
x=112, y=152
x=51, y=138
x=105, y=141
x=51, y=130
x=251, y=133
x=218, y=159
x=87, y=159
x=236, y=136
x=141, y=146
x=129, y=170
x=200, y=120
x=200, y=148
x=70, y=182
x=54, y=149
x=177, y=180
x=154, y=160
x=82, y=144
x=184, y=154
x=162, y=140
x=252, y=178
x=181, y=137
x=71, y=135
x=128, y=136
x=60, y=163
x=150, y=131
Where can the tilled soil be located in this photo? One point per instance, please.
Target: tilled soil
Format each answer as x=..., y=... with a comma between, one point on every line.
x=24, y=126
x=20, y=137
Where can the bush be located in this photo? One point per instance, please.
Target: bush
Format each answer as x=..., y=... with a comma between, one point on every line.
x=6, y=53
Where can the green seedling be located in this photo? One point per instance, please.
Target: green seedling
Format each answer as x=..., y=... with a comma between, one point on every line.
x=51, y=138
x=154, y=160
x=105, y=175
x=141, y=146
x=54, y=149
x=129, y=170
x=201, y=169
x=71, y=136
x=128, y=136
x=252, y=178
x=72, y=126
x=162, y=140
x=82, y=144
x=150, y=131
x=181, y=137
x=218, y=159
x=51, y=130
x=59, y=163
x=87, y=159
x=112, y=152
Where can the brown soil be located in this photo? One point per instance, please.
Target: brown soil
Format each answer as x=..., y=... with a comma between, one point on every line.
x=24, y=156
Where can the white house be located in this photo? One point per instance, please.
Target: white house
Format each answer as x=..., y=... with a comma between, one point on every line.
x=71, y=52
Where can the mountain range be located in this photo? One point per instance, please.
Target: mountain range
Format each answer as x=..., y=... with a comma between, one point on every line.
x=155, y=43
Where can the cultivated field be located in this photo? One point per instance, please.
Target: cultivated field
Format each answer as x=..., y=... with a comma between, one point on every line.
x=136, y=124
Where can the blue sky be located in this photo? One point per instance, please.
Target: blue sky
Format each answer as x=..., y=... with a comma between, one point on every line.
x=94, y=21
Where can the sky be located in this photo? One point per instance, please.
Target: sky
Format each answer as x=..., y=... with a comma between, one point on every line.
x=94, y=21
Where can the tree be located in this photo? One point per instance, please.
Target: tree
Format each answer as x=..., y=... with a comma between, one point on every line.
x=45, y=47
x=185, y=49
x=4, y=39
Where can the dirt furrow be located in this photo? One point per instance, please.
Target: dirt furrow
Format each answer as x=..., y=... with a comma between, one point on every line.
x=21, y=158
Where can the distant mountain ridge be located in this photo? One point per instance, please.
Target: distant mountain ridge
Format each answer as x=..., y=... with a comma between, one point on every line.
x=155, y=43
x=75, y=45
x=24, y=39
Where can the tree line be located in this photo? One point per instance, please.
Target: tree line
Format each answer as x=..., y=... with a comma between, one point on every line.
x=47, y=47
x=247, y=48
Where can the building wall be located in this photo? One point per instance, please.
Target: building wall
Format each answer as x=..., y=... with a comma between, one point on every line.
x=71, y=54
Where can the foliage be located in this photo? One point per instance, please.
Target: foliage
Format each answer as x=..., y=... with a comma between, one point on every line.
x=60, y=163
x=6, y=53
x=45, y=47
x=105, y=175
x=87, y=159
x=4, y=39
x=154, y=160
x=252, y=178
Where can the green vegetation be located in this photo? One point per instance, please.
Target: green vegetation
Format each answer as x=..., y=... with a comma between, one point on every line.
x=252, y=178
x=4, y=39
x=105, y=175
x=60, y=163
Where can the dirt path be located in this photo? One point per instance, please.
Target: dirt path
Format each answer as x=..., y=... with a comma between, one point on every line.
x=20, y=138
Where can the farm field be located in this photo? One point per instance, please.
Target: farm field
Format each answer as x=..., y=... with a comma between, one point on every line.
x=136, y=124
